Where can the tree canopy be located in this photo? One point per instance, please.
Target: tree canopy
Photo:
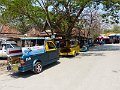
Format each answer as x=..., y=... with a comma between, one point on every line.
x=61, y=15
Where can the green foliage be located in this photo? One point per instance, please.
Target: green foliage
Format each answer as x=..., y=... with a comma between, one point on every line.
x=96, y=35
x=111, y=8
x=60, y=14
x=21, y=14
x=115, y=29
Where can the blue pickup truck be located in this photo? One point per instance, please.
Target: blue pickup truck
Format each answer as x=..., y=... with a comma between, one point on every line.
x=34, y=57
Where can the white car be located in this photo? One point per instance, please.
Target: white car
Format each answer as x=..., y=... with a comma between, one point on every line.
x=4, y=46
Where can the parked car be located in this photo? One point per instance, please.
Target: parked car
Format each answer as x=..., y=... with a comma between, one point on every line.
x=4, y=46
x=69, y=48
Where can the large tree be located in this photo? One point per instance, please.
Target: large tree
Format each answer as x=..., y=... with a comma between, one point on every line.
x=60, y=15
x=92, y=22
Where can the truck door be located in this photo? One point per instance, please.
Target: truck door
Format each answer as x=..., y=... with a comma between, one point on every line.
x=51, y=51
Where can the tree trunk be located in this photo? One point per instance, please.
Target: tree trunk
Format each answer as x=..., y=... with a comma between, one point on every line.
x=72, y=24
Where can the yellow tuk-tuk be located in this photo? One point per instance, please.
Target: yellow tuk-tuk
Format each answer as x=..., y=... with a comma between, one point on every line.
x=69, y=48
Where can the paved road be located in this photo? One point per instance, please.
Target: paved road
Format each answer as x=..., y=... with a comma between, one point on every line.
x=98, y=69
x=108, y=47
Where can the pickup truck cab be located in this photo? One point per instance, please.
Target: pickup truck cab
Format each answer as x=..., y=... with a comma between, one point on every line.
x=33, y=58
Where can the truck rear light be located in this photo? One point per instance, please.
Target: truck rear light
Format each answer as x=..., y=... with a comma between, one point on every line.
x=15, y=51
x=22, y=62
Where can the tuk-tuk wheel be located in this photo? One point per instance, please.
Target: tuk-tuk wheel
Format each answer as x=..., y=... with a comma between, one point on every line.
x=75, y=54
x=37, y=68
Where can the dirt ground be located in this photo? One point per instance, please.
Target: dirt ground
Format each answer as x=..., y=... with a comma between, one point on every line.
x=3, y=64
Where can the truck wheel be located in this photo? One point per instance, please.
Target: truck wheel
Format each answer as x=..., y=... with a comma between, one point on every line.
x=38, y=68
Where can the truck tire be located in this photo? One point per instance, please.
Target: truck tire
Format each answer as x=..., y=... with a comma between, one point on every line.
x=37, y=68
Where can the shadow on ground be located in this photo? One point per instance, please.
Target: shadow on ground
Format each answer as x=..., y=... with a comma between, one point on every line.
x=92, y=54
x=66, y=56
x=30, y=73
x=112, y=47
x=70, y=56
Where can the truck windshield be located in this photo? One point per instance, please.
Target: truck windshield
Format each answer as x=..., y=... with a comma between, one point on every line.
x=32, y=42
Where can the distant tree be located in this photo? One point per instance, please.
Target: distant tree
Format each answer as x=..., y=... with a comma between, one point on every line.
x=116, y=29
x=93, y=21
x=107, y=31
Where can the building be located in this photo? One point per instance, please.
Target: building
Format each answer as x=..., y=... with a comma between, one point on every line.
x=7, y=32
